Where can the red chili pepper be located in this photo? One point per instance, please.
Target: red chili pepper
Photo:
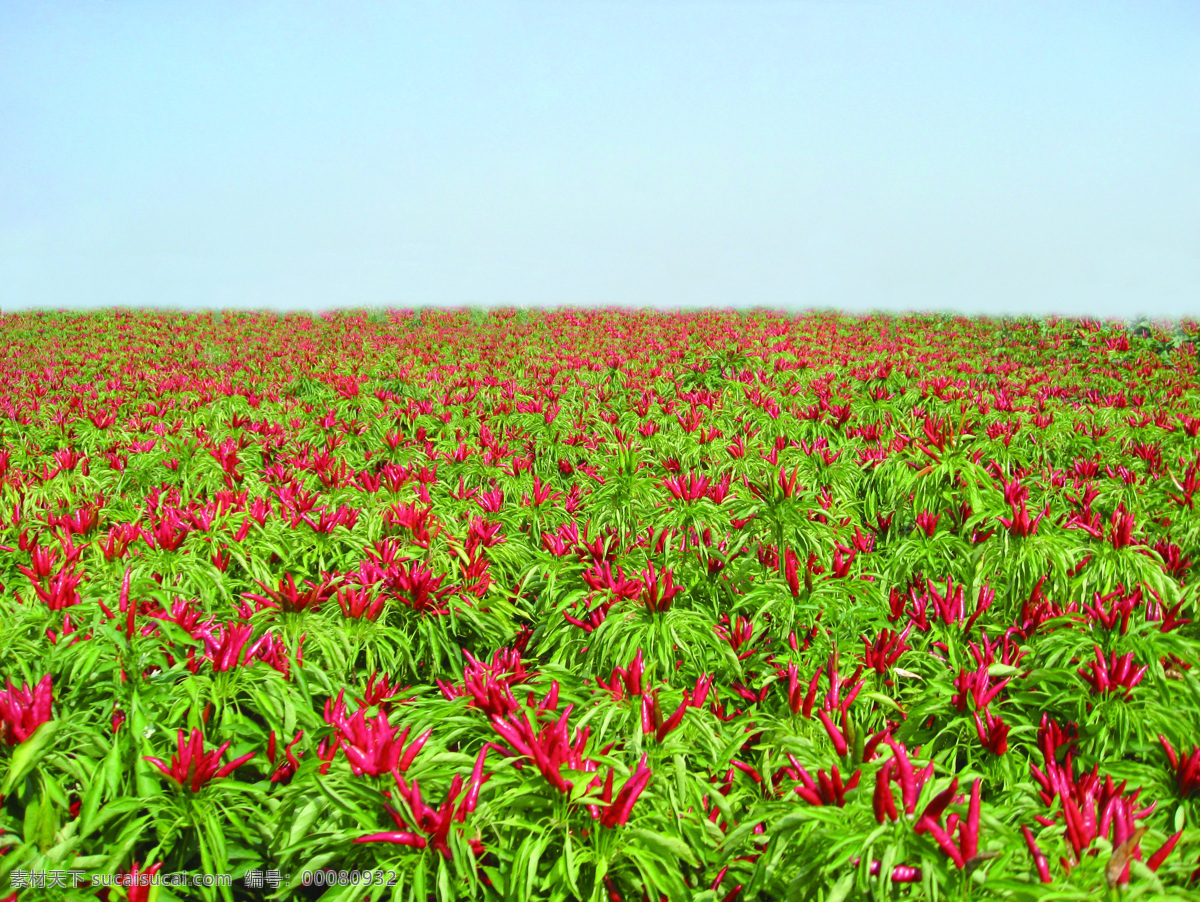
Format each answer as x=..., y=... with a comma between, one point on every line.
x=747, y=770
x=478, y=778
x=287, y=751
x=943, y=839
x=1101, y=670
x=938, y=804
x=969, y=834
x=1074, y=819
x=1039, y=859
x=703, y=686
x=1156, y=860
x=873, y=743
x=674, y=720
x=1169, y=749
x=882, y=801
x=835, y=735
x=411, y=752
x=392, y=836
x=904, y=873
x=127, y=606
x=811, y=696
x=649, y=706
x=827, y=788
x=613, y=895
x=908, y=783
x=901, y=873
x=716, y=884
x=617, y=814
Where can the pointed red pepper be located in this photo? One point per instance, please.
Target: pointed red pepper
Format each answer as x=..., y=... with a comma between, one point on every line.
x=969, y=832
x=835, y=735
x=1039, y=858
x=1155, y=861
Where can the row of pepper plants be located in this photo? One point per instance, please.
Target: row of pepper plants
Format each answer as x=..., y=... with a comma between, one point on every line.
x=600, y=604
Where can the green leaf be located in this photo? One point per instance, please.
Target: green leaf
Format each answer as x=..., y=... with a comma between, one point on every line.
x=883, y=700
x=303, y=821
x=92, y=796
x=343, y=805
x=535, y=856
x=571, y=866
x=736, y=837
x=445, y=893
x=669, y=848
x=28, y=753
x=841, y=890
x=124, y=843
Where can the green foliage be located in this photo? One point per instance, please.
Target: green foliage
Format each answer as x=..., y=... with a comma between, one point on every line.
x=701, y=559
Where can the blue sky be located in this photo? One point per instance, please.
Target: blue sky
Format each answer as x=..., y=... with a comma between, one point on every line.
x=996, y=158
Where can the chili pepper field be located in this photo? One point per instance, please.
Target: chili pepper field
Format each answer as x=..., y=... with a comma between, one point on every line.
x=599, y=605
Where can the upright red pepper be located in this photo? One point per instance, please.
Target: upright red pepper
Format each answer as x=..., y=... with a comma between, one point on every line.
x=1039, y=858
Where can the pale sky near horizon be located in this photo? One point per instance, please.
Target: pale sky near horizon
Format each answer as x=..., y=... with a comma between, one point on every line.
x=983, y=157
